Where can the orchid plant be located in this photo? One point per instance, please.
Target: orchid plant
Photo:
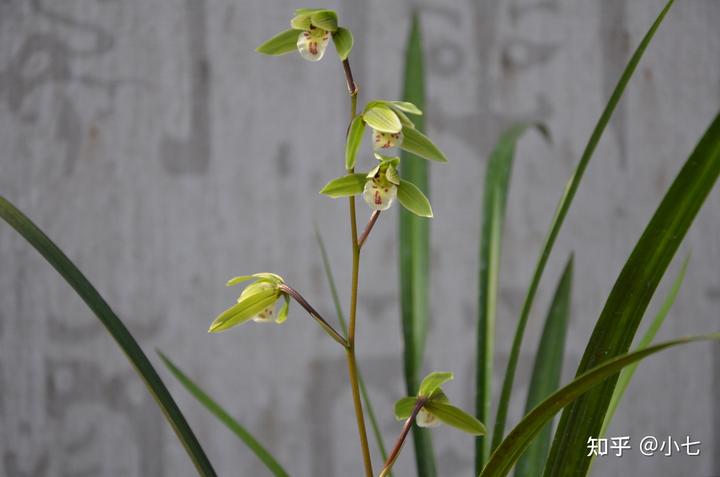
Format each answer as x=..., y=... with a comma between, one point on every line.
x=588, y=401
x=391, y=128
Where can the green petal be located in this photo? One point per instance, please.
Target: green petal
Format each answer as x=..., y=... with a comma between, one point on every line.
x=455, y=417
x=344, y=186
x=305, y=11
x=419, y=144
x=343, y=40
x=269, y=277
x=433, y=381
x=325, y=19
x=383, y=119
x=413, y=199
x=282, y=314
x=248, y=307
x=235, y=280
x=301, y=22
x=389, y=160
x=392, y=175
x=404, y=120
x=404, y=407
x=373, y=172
x=354, y=140
x=280, y=44
x=407, y=107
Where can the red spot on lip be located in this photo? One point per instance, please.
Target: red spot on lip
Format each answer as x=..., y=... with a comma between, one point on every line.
x=313, y=48
x=378, y=199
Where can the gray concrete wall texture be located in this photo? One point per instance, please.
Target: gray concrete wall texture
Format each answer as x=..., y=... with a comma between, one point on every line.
x=165, y=156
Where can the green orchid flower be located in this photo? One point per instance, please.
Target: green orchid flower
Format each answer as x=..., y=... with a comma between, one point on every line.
x=435, y=407
x=310, y=33
x=256, y=302
x=380, y=187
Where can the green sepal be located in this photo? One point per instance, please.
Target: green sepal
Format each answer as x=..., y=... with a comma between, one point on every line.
x=404, y=120
x=433, y=381
x=354, y=139
x=264, y=277
x=269, y=277
x=235, y=280
x=382, y=118
x=253, y=303
x=280, y=44
x=390, y=160
x=407, y=107
x=325, y=19
x=413, y=199
x=419, y=144
x=301, y=22
x=307, y=11
x=404, y=407
x=343, y=39
x=344, y=186
x=282, y=314
x=455, y=417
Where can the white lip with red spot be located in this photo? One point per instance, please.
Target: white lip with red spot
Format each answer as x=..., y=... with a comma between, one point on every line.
x=312, y=43
x=425, y=419
x=379, y=194
x=383, y=140
x=265, y=316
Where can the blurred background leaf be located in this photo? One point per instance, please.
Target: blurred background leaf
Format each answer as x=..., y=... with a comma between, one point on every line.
x=74, y=277
x=223, y=416
x=414, y=252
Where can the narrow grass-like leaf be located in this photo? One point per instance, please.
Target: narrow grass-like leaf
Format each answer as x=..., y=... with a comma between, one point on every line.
x=497, y=183
x=74, y=277
x=546, y=371
x=629, y=298
x=223, y=416
x=343, y=325
x=414, y=253
x=506, y=454
x=627, y=373
x=557, y=221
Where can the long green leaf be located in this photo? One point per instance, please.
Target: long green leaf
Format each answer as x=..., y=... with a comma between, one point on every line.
x=507, y=453
x=627, y=373
x=557, y=221
x=414, y=235
x=343, y=325
x=74, y=277
x=497, y=183
x=546, y=371
x=630, y=296
x=223, y=416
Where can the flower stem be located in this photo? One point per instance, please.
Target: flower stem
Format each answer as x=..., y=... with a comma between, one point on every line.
x=312, y=312
x=401, y=439
x=368, y=228
x=350, y=349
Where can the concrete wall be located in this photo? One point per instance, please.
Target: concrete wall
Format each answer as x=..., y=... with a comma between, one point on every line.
x=165, y=156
